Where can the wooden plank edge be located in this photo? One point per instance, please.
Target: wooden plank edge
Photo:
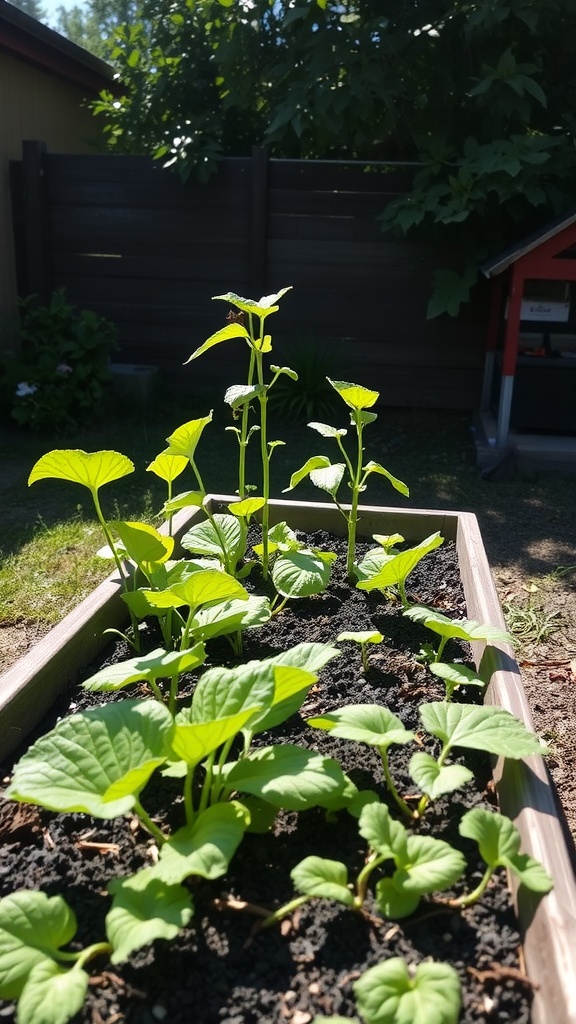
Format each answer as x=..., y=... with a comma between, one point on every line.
x=526, y=794
x=30, y=686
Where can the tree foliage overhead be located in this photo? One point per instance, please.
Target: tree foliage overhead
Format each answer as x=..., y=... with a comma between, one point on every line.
x=32, y=7
x=93, y=25
x=481, y=93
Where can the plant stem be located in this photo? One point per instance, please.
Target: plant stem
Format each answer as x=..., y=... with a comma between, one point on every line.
x=149, y=824
x=188, y=804
x=263, y=399
x=284, y=911
x=244, y=433
x=474, y=896
x=362, y=880
x=391, y=787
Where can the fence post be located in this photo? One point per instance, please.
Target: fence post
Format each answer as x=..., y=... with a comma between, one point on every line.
x=258, y=257
x=38, y=270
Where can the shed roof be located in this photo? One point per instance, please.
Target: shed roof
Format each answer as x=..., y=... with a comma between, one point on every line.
x=496, y=264
x=30, y=40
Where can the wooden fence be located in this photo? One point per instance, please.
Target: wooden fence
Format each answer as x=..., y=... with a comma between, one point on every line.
x=130, y=241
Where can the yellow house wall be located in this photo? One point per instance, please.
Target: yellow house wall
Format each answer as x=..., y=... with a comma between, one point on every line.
x=34, y=104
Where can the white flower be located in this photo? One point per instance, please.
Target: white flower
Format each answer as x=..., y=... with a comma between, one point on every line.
x=64, y=368
x=25, y=389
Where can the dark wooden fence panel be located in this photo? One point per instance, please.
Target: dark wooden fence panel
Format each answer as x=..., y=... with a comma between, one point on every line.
x=127, y=239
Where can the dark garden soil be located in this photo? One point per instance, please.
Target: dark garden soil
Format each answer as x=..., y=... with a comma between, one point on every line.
x=219, y=970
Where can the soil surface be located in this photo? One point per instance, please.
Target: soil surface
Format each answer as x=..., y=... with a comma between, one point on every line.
x=219, y=970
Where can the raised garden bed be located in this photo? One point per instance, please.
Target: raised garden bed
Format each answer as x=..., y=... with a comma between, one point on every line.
x=525, y=794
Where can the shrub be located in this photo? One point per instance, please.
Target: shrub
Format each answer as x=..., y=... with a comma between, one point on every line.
x=58, y=380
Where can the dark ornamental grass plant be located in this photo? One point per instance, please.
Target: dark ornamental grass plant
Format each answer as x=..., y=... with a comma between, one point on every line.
x=99, y=761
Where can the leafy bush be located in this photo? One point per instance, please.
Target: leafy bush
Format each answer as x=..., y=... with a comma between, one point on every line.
x=58, y=380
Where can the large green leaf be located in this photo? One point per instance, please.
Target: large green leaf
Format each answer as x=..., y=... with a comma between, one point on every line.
x=291, y=777
x=366, y=723
x=193, y=742
x=53, y=994
x=433, y=779
x=297, y=574
x=392, y=993
x=430, y=865
x=206, y=847
x=267, y=304
x=327, y=879
x=382, y=832
x=200, y=587
x=158, y=664
x=144, y=908
x=355, y=396
x=33, y=927
x=143, y=543
x=461, y=629
x=167, y=467
x=480, y=728
x=313, y=463
x=329, y=478
x=227, y=333
x=203, y=538
x=224, y=691
x=396, y=569
x=499, y=844
x=91, y=469
x=96, y=762
x=398, y=485
x=185, y=439
x=222, y=617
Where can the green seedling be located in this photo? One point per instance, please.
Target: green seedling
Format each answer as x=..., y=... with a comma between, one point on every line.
x=297, y=570
x=454, y=676
x=362, y=638
x=150, y=668
x=249, y=325
x=168, y=468
x=499, y=846
x=421, y=865
x=92, y=470
x=396, y=566
x=455, y=629
x=99, y=761
x=395, y=992
x=328, y=476
x=456, y=725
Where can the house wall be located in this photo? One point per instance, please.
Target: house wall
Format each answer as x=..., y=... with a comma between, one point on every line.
x=33, y=104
